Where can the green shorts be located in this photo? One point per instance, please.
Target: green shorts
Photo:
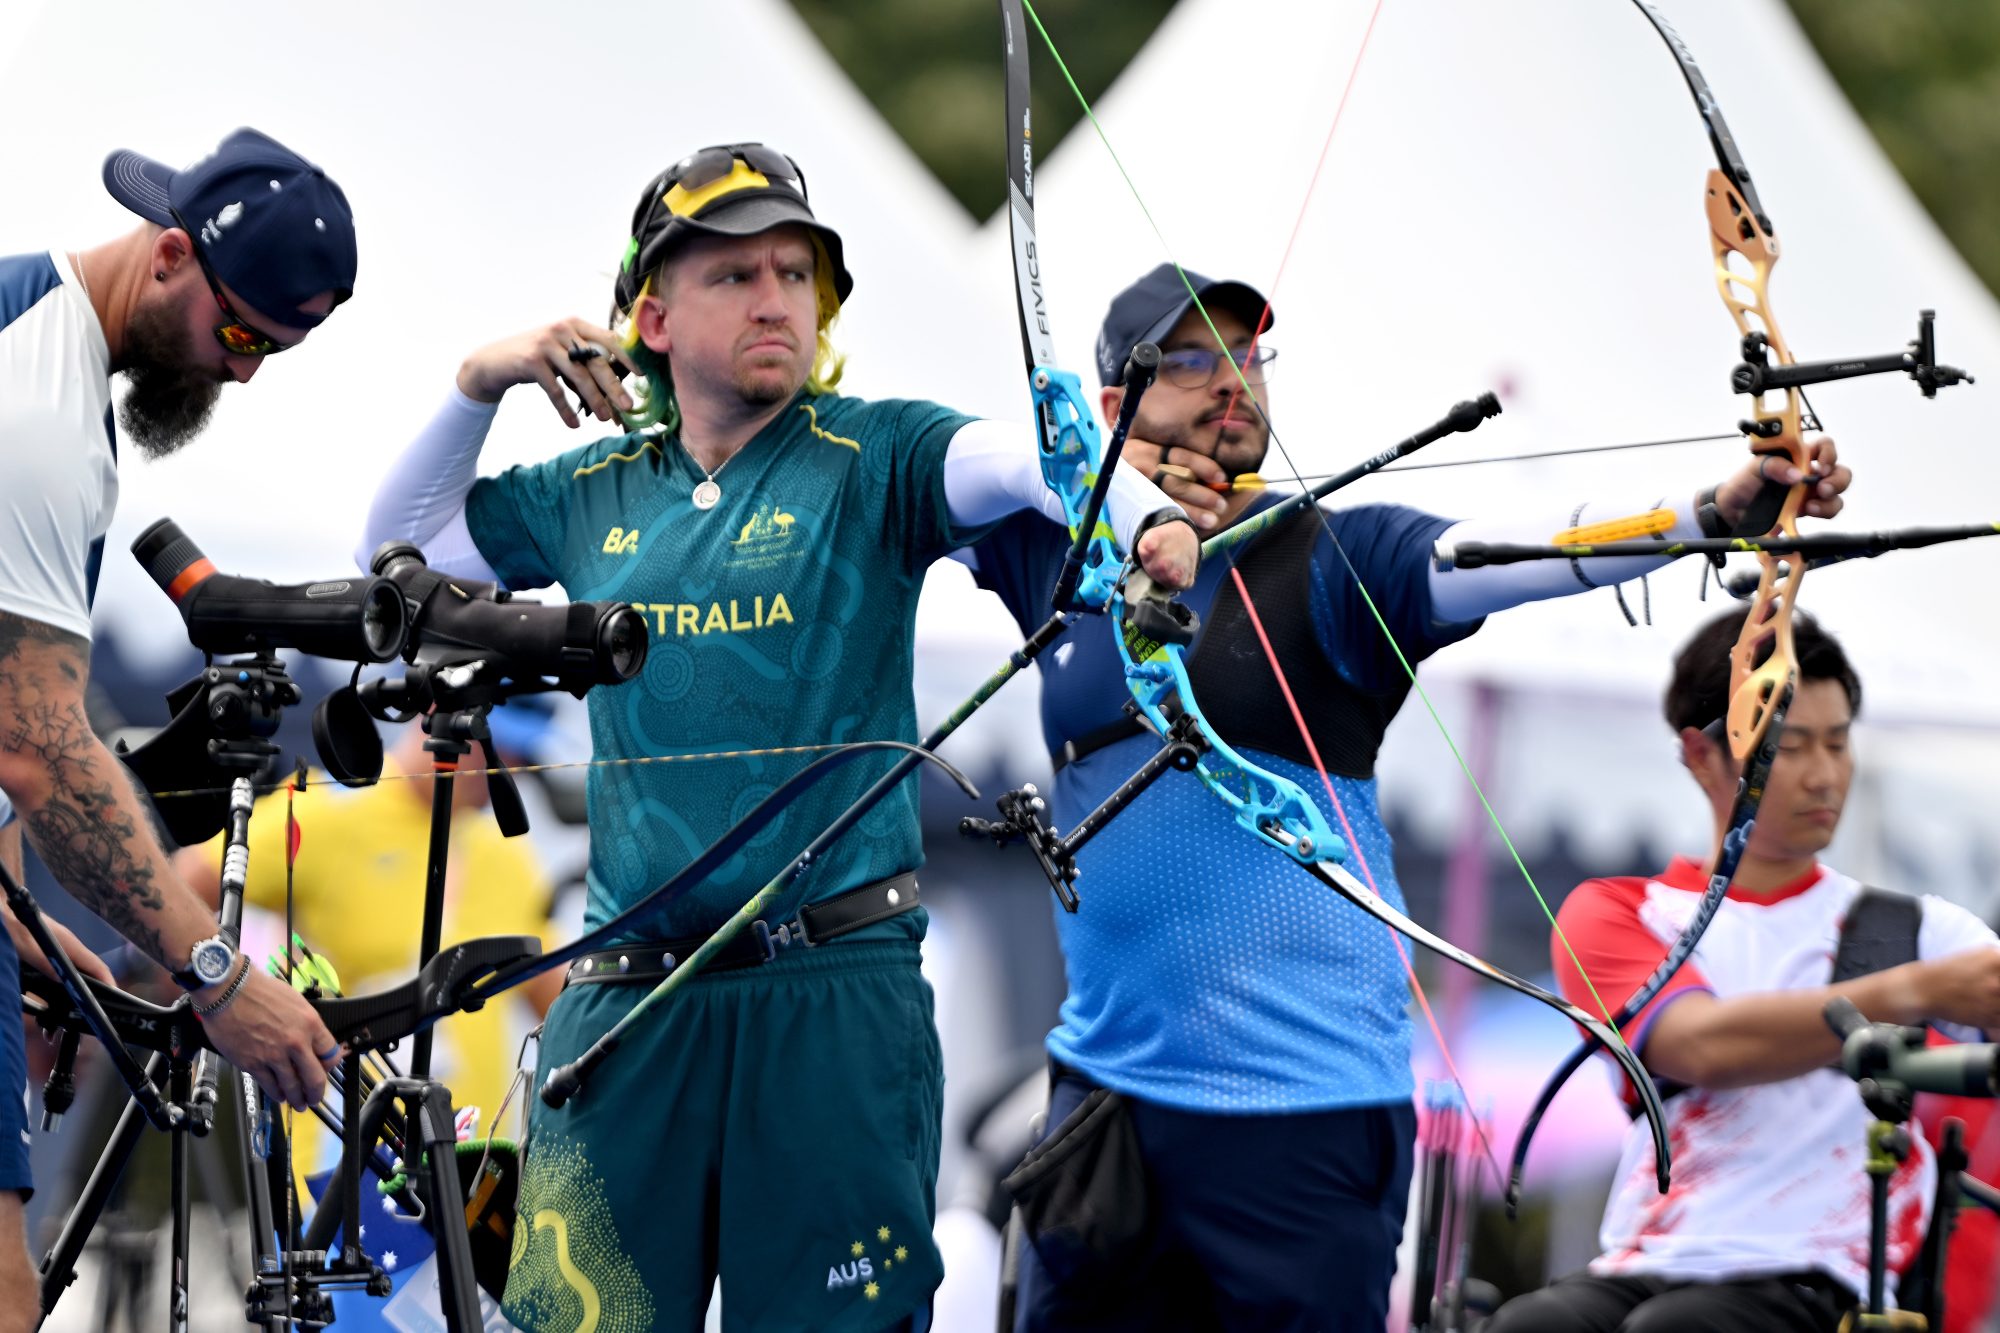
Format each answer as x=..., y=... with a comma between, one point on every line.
x=776, y=1126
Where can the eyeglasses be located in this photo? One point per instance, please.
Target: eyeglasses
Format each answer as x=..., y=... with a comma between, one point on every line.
x=684, y=189
x=238, y=336
x=1193, y=367
x=706, y=166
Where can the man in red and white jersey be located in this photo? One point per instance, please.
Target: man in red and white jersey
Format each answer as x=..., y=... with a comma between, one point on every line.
x=1766, y=1226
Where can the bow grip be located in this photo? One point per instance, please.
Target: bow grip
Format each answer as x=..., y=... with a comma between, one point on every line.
x=1153, y=618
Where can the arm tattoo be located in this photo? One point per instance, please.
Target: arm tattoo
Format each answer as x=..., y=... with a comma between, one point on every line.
x=87, y=830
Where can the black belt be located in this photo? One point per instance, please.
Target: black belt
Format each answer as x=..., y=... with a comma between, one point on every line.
x=1092, y=741
x=816, y=923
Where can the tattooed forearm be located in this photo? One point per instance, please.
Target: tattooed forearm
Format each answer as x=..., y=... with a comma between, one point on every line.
x=97, y=851
x=83, y=818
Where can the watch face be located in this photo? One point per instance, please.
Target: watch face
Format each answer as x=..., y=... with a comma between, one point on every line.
x=211, y=961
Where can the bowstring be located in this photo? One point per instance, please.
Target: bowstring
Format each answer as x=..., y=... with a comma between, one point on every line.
x=1253, y=482
x=1361, y=859
x=1367, y=599
x=696, y=756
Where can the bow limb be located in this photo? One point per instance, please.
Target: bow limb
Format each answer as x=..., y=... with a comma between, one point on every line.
x=1273, y=809
x=1076, y=463
x=1745, y=246
x=1354, y=891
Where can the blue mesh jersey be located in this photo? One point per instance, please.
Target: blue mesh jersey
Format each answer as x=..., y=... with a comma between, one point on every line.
x=783, y=616
x=1206, y=970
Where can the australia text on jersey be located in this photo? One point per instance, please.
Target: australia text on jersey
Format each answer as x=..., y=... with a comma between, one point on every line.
x=695, y=618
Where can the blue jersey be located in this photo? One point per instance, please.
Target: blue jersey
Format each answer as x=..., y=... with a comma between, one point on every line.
x=1206, y=970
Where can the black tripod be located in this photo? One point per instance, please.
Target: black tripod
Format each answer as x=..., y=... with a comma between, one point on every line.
x=294, y=1273
x=1890, y=1064
x=237, y=708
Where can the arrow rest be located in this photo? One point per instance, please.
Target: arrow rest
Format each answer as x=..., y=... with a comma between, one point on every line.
x=1021, y=820
x=1021, y=811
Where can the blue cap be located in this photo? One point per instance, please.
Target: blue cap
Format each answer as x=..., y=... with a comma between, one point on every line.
x=1145, y=311
x=272, y=225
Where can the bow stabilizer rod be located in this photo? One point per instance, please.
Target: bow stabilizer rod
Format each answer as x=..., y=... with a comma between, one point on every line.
x=1819, y=548
x=1463, y=416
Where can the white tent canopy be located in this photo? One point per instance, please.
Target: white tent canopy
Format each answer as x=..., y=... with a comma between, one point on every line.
x=1512, y=201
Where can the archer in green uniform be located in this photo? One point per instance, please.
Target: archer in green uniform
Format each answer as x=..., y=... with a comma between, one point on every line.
x=778, y=1127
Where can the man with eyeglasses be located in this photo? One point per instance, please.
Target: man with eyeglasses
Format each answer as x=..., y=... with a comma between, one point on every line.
x=777, y=1124
x=240, y=255
x=1254, y=1027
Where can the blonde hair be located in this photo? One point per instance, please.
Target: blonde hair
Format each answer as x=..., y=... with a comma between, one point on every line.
x=657, y=405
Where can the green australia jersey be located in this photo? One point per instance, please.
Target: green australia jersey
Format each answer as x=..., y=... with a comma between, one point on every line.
x=784, y=616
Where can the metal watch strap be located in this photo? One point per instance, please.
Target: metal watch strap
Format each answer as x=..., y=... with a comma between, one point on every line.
x=228, y=996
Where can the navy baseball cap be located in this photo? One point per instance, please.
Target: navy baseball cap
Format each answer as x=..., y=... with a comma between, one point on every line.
x=270, y=224
x=1144, y=312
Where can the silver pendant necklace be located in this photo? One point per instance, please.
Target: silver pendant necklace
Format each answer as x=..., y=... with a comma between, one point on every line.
x=706, y=493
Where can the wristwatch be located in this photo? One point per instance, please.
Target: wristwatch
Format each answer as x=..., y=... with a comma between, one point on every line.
x=209, y=961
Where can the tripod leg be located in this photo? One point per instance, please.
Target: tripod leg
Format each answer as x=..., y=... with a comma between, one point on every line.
x=458, y=1289
x=59, y=1266
x=179, y=1088
x=1011, y=1241
x=257, y=1186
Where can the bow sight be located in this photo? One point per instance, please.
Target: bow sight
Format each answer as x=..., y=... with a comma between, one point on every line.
x=1755, y=373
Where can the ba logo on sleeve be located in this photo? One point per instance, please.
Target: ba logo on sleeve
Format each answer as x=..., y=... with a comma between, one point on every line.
x=620, y=542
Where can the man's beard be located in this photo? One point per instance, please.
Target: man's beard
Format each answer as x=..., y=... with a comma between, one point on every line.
x=1241, y=453
x=765, y=387
x=168, y=395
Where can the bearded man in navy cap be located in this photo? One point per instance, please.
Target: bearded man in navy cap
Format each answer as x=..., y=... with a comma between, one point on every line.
x=239, y=257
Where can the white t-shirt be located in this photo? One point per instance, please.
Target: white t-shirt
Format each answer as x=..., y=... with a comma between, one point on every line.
x=58, y=465
x=1766, y=1179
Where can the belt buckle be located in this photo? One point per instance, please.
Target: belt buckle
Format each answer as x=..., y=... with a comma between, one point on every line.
x=762, y=932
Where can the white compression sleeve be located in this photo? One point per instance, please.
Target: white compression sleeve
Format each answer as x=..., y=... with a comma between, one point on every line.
x=421, y=498
x=1467, y=594
x=992, y=469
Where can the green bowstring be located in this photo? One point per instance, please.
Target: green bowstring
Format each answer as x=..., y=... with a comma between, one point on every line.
x=1367, y=598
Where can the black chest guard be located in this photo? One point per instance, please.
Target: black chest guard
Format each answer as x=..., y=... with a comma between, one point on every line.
x=1233, y=679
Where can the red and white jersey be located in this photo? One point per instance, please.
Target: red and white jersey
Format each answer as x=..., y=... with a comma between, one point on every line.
x=1766, y=1179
